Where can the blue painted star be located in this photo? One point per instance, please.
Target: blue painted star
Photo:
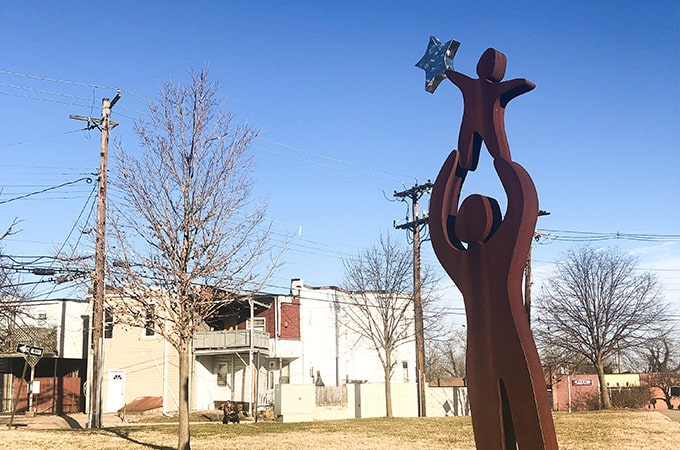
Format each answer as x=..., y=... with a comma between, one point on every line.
x=438, y=58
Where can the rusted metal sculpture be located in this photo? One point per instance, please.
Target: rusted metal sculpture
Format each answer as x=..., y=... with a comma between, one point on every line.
x=485, y=253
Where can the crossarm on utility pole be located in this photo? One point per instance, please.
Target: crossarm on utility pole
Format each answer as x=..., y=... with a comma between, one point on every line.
x=414, y=194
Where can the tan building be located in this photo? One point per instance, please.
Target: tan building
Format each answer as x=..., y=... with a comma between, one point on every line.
x=137, y=362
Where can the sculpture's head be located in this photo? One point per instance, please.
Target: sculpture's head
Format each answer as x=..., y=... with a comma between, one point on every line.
x=478, y=218
x=491, y=65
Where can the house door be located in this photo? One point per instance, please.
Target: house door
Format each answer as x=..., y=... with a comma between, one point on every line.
x=116, y=391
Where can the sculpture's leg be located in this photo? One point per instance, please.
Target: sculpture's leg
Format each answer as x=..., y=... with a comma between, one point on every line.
x=526, y=410
x=509, y=437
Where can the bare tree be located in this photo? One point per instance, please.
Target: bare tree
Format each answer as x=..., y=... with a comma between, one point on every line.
x=661, y=358
x=12, y=309
x=597, y=305
x=9, y=230
x=187, y=237
x=446, y=357
x=380, y=305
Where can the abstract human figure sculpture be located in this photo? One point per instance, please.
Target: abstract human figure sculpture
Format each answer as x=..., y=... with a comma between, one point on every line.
x=485, y=253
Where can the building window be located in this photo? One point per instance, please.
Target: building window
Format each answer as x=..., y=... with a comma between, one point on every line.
x=41, y=319
x=404, y=366
x=223, y=374
x=258, y=324
x=108, y=323
x=149, y=321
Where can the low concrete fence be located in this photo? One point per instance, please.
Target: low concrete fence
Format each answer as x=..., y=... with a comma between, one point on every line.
x=302, y=403
x=447, y=401
x=306, y=402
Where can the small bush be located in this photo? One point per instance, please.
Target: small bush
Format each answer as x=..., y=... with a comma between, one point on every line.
x=586, y=402
x=631, y=397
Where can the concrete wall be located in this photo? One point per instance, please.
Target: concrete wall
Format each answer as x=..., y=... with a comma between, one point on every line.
x=296, y=403
x=404, y=400
x=574, y=392
x=447, y=401
x=616, y=380
x=338, y=412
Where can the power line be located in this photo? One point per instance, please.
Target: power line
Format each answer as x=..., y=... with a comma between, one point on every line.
x=647, y=269
x=591, y=236
x=61, y=248
x=43, y=91
x=71, y=82
x=86, y=179
x=43, y=99
x=333, y=159
x=26, y=141
x=53, y=80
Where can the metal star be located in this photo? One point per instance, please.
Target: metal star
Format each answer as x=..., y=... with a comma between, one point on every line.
x=438, y=58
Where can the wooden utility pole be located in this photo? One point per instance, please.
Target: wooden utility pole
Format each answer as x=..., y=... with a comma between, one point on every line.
x=99, y=283
x=527, y=286
x=414, y=226
x=527, y=271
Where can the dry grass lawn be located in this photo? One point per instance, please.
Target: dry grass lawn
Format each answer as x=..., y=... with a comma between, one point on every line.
x=576, y=431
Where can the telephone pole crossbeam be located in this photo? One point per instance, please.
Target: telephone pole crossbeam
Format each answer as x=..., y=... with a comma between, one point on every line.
x=414, y=226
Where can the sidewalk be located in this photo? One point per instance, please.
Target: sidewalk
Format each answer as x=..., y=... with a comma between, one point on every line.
x=672, y=414
x=54, y=422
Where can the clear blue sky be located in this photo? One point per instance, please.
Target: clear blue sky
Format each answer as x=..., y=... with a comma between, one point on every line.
x=344, y=114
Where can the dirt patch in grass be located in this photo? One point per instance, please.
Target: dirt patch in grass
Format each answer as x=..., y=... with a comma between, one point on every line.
x=576, y=431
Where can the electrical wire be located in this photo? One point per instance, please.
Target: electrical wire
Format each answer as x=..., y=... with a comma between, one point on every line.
x=86, y=179
x=41, y=138
x=591, y=236
x=332, y=159
x=43, y=91
x=42, y=99
x=75, y=224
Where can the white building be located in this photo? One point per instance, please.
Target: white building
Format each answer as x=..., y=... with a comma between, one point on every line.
x=332, y=348
x=290, y=339
x=59, y=328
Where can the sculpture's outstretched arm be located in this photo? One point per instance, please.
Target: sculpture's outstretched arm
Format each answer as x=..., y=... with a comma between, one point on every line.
x=459, y=79
x=519, y=222
x=514, y=88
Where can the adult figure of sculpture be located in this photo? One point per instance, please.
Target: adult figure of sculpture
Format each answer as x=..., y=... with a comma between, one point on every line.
x=485, y=253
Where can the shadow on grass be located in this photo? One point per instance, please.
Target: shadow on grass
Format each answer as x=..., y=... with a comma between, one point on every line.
x=73, y=423
x=125, y=434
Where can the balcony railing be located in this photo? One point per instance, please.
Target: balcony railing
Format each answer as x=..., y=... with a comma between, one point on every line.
x=230, y=340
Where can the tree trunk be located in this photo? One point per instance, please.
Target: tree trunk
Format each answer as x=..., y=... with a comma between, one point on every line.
x=184, y=436
x=604, y=391
x=388, y=385
x=667, y=398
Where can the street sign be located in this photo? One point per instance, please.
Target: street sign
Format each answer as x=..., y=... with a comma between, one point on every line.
x=23, y=348
x=30, y=350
